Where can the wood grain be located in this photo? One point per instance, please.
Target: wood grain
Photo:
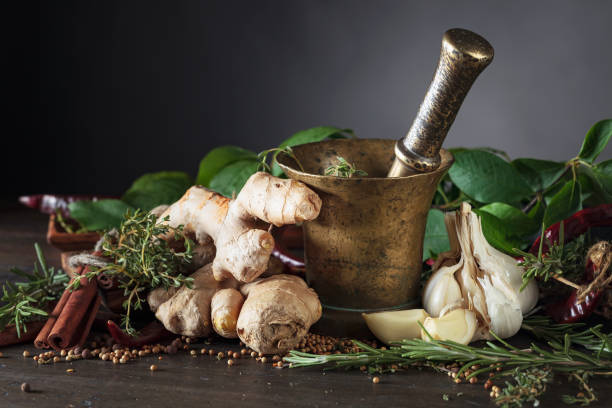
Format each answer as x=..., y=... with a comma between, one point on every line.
x=203, y=381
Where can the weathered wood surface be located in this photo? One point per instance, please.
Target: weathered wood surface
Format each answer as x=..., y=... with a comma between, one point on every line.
x=184, y=381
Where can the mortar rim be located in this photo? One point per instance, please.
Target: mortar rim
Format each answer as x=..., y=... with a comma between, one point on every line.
x=444, y=165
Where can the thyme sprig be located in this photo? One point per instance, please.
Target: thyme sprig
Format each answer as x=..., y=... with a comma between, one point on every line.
x=528, y=385
x=141, y=261
x=344, y=169
x=563, y=262
x=28, y=300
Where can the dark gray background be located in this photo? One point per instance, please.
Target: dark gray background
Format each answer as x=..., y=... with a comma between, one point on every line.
x=104, y=91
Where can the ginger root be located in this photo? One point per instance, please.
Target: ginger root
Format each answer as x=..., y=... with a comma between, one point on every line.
x=277, y=313
x=239, y=227
x=225, y=307
x=187, y=311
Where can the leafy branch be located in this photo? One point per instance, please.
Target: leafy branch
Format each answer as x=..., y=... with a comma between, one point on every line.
x=141, y=261
x=29, y=300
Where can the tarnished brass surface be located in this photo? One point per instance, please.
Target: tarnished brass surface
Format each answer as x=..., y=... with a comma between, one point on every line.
x=364, y=250
x=464, y=55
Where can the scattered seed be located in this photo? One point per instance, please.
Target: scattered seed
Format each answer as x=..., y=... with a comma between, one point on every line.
x=230, y=362
x=56, y=359
x=70, y=370
x=203, y=351
x=25, y=387
x=375, y=380
x=153, y=367
x=160, y=358
x=193, y=353
x=236, y=355
x=26, y=353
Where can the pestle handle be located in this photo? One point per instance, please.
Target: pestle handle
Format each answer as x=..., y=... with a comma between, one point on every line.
x=464, y=55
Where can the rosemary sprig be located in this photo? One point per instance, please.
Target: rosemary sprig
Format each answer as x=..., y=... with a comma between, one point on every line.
x=529, y=367
x=141, y=261
x=27, y=301
x=344, y=169
x=563, y=262
x=560, y=358
x=591, y=338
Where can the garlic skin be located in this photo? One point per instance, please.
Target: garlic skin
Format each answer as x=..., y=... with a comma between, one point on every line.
x=488, y=280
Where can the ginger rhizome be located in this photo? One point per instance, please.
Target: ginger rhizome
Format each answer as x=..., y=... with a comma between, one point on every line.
x=239, y=227
x=277, y=313
x=270, y=315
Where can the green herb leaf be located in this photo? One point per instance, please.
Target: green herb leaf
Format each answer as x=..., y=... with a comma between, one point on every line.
x=596, y=140
x=219, y=158
x=539, y=174
x=231, y=179
x=603, y=171
x=315, y=134
x=153, y=189
x=488, y=178
x=498, y=233
x=98, y=215
x=563, y=204
x=517, y=222
x=436, y=237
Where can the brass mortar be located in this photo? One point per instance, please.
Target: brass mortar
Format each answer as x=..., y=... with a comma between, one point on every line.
x=364, y=251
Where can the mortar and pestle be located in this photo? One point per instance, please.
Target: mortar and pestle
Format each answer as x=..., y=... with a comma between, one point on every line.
x=364, y=252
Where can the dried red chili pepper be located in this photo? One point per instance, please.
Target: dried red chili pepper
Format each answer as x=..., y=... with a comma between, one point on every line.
x=571, y=309
x=151, y=333
x=49, y=203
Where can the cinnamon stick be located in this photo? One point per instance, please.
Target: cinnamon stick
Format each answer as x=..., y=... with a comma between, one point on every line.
x=8, y=336
x=71, y=319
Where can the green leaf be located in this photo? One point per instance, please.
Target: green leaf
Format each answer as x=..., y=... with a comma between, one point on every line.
x=436, y=237
x=596, y=140
x=153, y=189
x=516, y=222
x=603, y=171
x=536, y=214
x=219, y=158
x=231, y=179
x=539, y=174
x=498, y=234
x=563, y=204
x=315, y=134
x=488, y=178
x=99, y=215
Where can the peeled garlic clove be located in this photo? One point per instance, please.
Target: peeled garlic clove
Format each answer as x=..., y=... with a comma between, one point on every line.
x=395, y=325
x=458, y=326
x=442, y=289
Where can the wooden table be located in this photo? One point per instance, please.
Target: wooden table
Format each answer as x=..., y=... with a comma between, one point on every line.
x=183, y=380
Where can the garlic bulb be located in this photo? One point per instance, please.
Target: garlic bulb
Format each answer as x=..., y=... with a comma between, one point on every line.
x=475, y=276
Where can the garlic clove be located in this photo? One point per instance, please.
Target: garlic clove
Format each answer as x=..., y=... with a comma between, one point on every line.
x=458, y=325
x=395, y=325
x=503, y=308
x=442, y=289
x=495, y=261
